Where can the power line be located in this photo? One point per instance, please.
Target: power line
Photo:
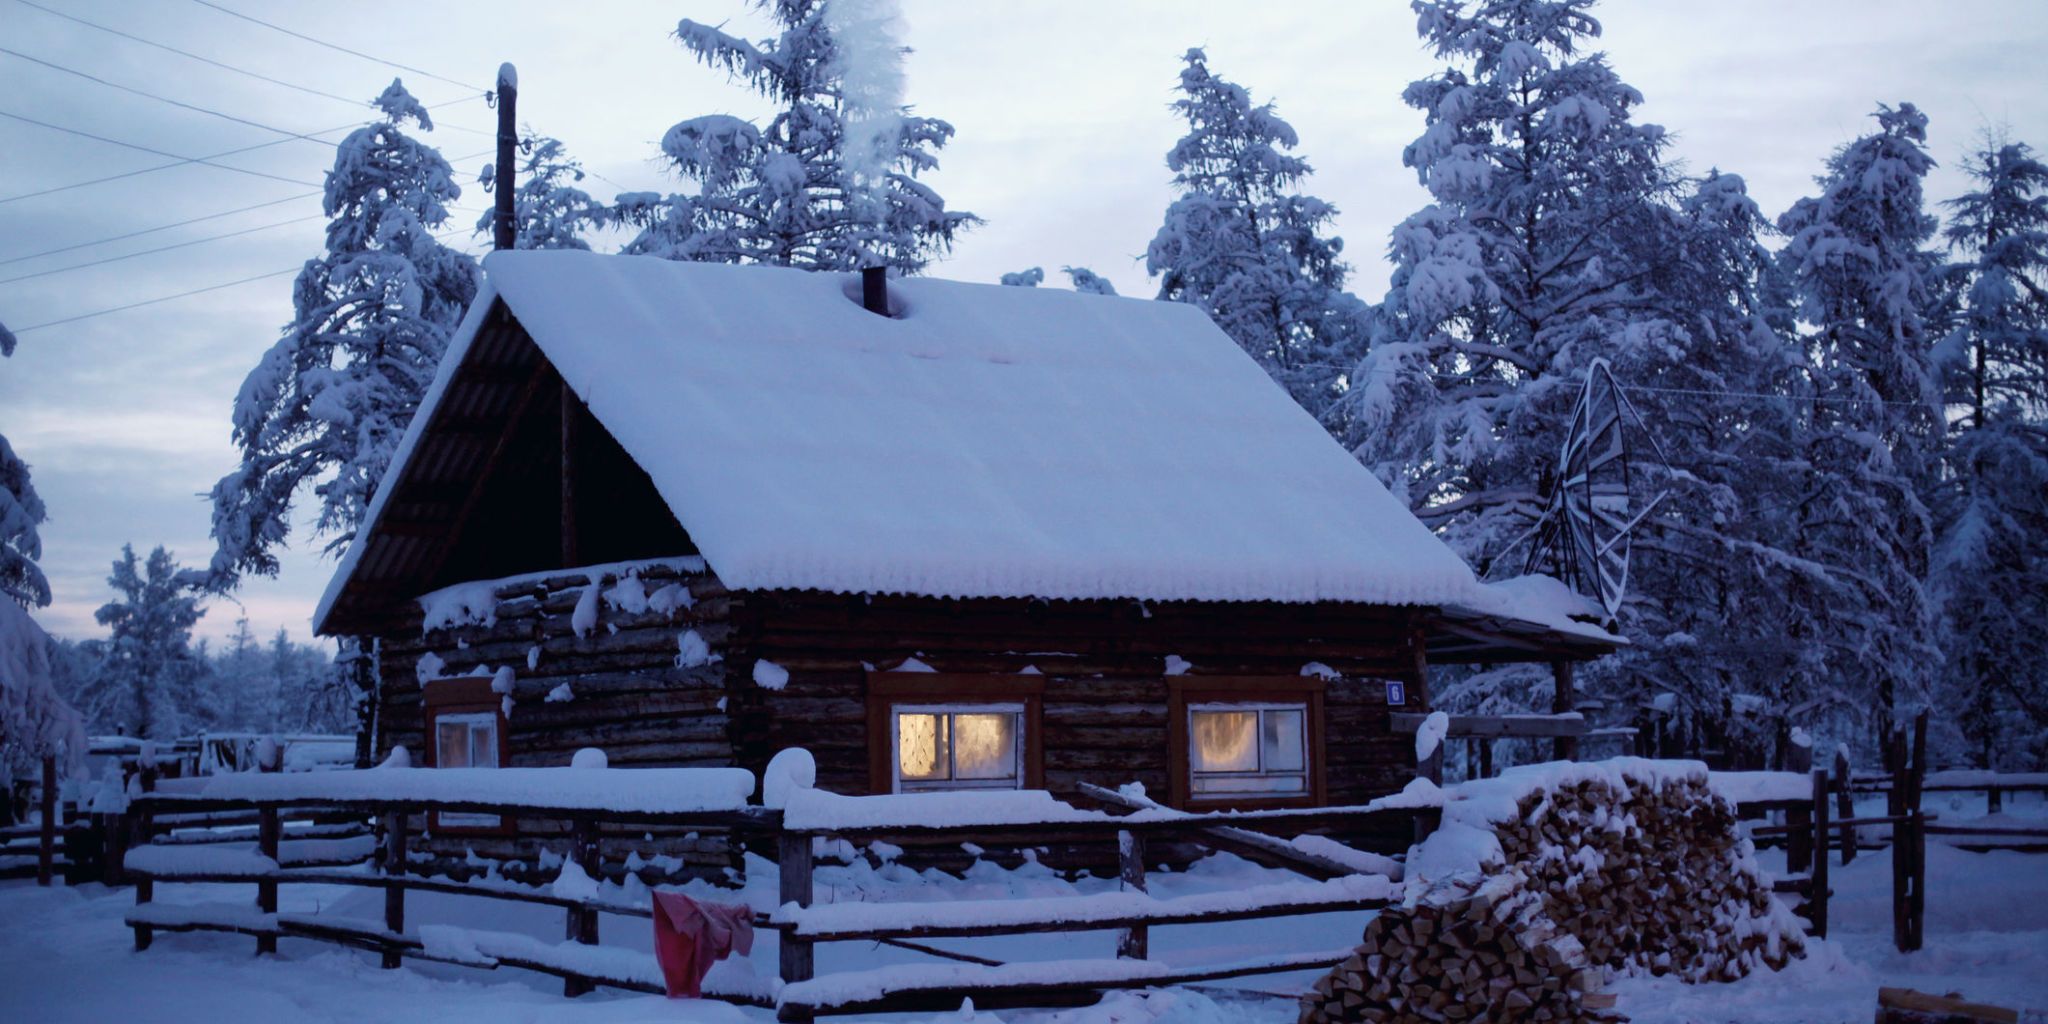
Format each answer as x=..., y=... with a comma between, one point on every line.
x=334, y=46
x=162, y=99
x=154, y=301
x=440, y=236
x=207, y=160
x=190, y=55
x=160, y=227
x=182, y=161
x=161, y=248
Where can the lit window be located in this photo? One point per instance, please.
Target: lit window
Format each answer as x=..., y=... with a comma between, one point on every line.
x=1248, y=750
x=978, y=746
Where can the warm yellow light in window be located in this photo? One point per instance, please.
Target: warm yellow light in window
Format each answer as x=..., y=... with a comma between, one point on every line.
x=1225, y=740
x=917, y=746
x=985, y=746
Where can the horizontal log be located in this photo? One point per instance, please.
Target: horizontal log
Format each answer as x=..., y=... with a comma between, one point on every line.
x=1497, y=726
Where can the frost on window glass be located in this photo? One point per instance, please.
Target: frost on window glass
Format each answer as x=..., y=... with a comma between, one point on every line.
x=1248, y=749
x=966, y=747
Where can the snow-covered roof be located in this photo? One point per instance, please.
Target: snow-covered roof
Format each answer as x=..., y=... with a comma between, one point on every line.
x=985, y=441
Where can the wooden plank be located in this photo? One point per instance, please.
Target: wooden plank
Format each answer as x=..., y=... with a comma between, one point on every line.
x=1262, y=849
x=996, y=992
x=46, y=851
x=582, y=923
x=1923, y=1008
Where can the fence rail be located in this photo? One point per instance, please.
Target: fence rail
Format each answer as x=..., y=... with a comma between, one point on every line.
x=190, y=855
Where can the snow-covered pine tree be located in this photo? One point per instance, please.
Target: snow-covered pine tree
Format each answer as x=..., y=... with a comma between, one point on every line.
x=1990, y=567
x=144, y=685
x=35, y=720
x=372, y=316
x=1088, y=281
x=1550, y=222
x=792, y=193
x=548, y=210
x=1858, y=268
x=21, y=512
x=1242, y=244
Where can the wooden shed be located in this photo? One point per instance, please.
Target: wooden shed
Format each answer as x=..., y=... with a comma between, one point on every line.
x=692, y=514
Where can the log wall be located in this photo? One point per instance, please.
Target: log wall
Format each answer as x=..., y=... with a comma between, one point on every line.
x=1104, y=663
x=1104, y=666
x=631, y=698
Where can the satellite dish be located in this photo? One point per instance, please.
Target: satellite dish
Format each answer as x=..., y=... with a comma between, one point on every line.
x=1582, y=537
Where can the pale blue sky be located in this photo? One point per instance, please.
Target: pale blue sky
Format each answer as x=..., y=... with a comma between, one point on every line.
x=1062, y=119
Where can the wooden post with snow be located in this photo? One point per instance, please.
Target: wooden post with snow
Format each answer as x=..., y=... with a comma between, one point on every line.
x=1817, y=886
x=394, y=894
x=1134, y=942
x=793, y=858
x=583, y=920
x=269, y=836
x=46, y=843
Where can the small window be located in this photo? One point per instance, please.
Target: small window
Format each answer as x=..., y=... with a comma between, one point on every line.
x=1248, y=750
x=954, y=731
x=466, y=740
x=972, y=746
x=465, y=729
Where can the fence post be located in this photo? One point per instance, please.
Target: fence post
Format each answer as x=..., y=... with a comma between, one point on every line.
x=394, y=890
x=1916, y=905
x=1994, y=801
x=269, y=832
x=1565, y=699
x=1817, y=887
x=1132, y=943
x=1845, y=805
x=1485, y=758
x=1799, y=839
x=793, y=858
x=583, y=920
x=46, y=848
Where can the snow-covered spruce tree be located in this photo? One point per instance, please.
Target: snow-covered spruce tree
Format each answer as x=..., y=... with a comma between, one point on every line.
x=1990, y=566
x=1242, y=244
x=797, y=192
x=1725, y=636
x=21, y=512
x=1551, y=217
x=35, y=721
x=548, y=210
x=372, y=316
x=1860, y=274
x=146, y=680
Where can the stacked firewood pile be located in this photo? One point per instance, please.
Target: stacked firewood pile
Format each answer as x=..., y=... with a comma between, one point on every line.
x=1559, y=880
x=1463, y=953
x=1650, y=877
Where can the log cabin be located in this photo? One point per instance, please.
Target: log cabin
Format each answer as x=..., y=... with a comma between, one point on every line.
x=943, y=535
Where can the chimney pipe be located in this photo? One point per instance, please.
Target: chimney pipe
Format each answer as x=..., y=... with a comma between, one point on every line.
x=503, y=224
x=874, y=289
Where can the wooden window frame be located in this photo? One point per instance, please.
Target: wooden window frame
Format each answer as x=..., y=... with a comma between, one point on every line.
x=463, y=695
x=961, y=690
x=1183, y=692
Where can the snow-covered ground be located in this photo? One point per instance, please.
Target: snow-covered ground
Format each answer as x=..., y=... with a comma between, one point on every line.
x=65, y=956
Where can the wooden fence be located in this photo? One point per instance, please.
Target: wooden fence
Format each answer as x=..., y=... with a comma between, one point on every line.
x=799, y=926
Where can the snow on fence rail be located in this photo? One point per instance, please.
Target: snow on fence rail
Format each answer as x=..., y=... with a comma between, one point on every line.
x=717, y=799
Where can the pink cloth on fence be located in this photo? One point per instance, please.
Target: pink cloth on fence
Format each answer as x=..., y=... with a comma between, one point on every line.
x=690, y=936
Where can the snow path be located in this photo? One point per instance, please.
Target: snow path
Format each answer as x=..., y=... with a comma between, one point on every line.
x=67, y=958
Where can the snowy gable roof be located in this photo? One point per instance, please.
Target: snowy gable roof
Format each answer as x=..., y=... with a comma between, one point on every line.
x=986, y=441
